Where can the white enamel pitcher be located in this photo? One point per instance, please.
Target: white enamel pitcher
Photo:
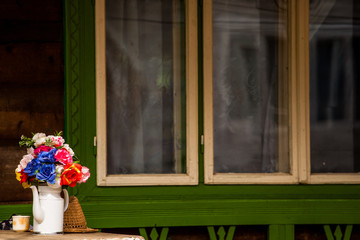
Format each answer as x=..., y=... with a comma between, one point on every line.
x=48, y=209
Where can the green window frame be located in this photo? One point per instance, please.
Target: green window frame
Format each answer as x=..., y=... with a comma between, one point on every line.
x=199, y=205
x=167, y=206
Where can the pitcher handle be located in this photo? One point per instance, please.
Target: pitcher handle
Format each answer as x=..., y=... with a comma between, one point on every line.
x=66, y=199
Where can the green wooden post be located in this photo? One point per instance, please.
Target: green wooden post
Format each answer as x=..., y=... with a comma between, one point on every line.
x=221, y=233
x=154, y=235
x=281, y=232
x=338, y=235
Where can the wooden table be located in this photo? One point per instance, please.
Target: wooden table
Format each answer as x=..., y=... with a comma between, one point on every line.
x=10, y=235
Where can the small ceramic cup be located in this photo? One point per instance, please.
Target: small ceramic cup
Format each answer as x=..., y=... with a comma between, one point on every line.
x=21, y=223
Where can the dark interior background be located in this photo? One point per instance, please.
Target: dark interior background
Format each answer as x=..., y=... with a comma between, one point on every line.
x=31, y=82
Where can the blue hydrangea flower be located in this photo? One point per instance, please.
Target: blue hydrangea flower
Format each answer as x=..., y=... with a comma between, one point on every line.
x=32, y=167
x=47, y=157
x=47, y=173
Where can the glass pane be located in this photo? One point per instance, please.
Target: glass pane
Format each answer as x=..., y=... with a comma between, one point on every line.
x=145, y=86
x=334, y=86
x=249, y=86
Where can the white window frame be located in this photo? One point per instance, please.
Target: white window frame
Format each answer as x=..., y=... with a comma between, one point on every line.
x=303, y=102
x=191, y=175
x=299, y=114
x=234, y=178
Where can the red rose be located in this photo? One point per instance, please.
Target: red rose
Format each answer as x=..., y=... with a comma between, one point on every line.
x=71, y=175
x=25, y=178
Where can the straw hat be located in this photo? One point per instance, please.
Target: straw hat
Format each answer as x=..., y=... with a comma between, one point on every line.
x=74, y=219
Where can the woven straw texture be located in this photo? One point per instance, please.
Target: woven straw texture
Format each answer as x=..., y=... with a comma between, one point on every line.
x=74, y=218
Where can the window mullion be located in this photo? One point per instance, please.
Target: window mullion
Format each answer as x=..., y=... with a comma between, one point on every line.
x=301, y=84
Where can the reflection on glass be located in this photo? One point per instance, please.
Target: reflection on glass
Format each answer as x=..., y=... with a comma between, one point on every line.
x=334, y=86
x=249, y=86
x=145, y=86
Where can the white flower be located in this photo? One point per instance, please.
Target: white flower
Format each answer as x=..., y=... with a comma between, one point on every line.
x=30, y=150
x=40, y=141
x=68, y=148
x=38, y=136
x=59, y=169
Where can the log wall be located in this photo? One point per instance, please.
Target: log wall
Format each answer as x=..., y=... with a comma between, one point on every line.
x=31, y=82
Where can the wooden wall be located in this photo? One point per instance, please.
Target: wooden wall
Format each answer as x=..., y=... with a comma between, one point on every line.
x=31, y=82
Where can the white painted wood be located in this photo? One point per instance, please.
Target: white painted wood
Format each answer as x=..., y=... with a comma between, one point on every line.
x=100, y=90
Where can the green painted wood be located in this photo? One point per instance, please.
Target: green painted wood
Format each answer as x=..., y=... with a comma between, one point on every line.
x=221, y=233
x=154, y=234
x=202, y=205
x=328, y=232
x=281, y=232
x=80, y=85
x=231, y=232
x=229, y=192
x=21, y=209
x=143, y=233
x=338, y=233
x=348, y=231
x=221, y=212
x=164, y=233
x=72, y=74
x=211, y=232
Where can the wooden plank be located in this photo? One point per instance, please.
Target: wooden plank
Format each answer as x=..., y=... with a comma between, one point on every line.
x=31, y=82
x=73, y=236
x=14, y=124
x=31, y=10
x=45, y=98
x=11, y=189
x=31, y=62
x=24, y=31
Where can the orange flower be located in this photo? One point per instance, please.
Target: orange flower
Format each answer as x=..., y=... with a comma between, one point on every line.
x=71, y=175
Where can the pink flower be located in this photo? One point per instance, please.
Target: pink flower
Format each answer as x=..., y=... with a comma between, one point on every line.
x=63, y=156
x=57, y=140
x=85, y=174
x=42, y=148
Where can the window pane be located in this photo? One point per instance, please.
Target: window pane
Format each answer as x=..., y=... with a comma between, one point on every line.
x=249, y=86
x=145, y=86
x=334, y=86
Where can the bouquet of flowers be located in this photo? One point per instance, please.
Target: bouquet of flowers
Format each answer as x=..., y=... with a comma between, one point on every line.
x=49, y=160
